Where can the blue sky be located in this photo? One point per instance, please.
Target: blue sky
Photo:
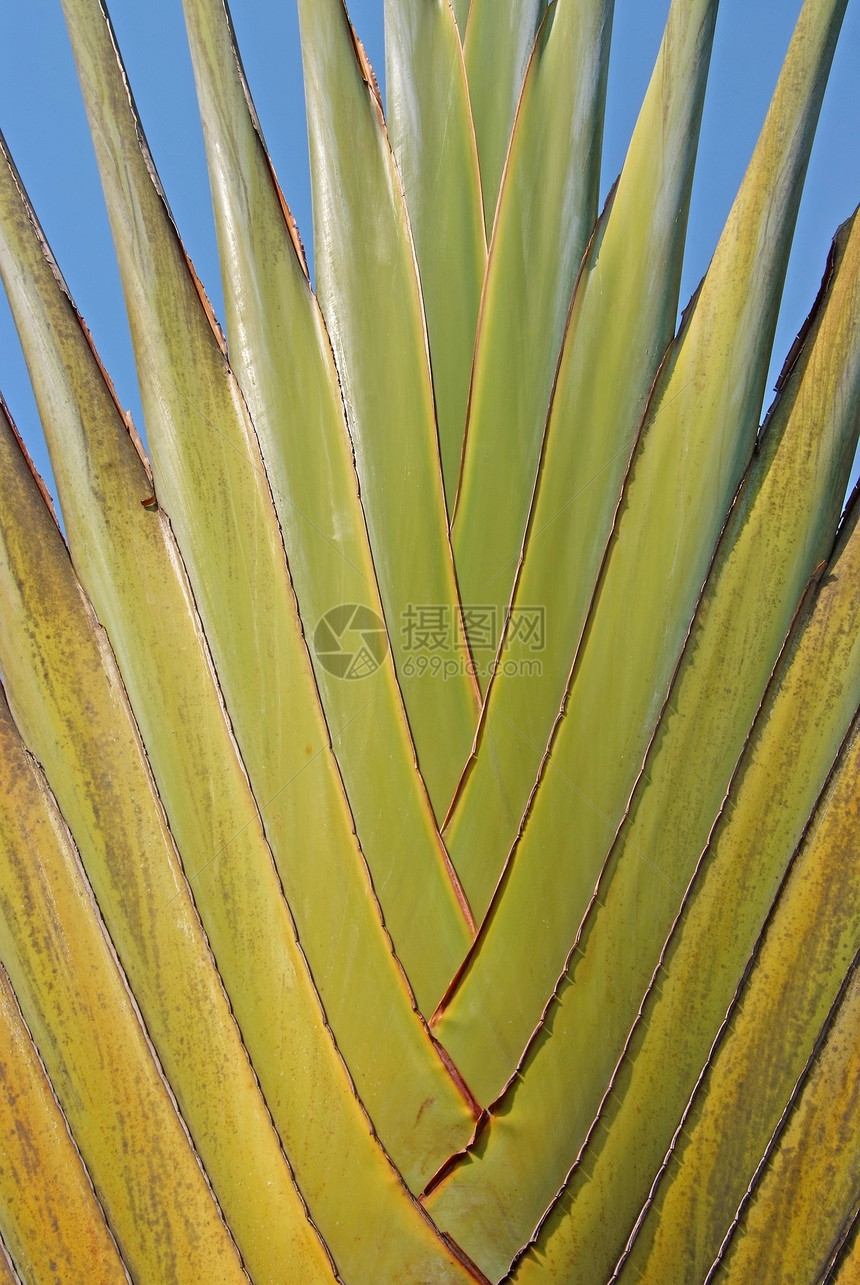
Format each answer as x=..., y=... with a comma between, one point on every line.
x=42, y=118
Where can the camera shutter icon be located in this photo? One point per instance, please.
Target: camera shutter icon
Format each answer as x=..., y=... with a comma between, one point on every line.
x=351, y=641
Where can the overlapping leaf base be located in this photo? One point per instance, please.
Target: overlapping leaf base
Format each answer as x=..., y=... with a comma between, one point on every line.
x=429, y=819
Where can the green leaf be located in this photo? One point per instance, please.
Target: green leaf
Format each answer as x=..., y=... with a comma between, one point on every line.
x=247, y=699
x=810, y=1187
x=67, y=698
x=781, y=526
x=49, y=1215
x=362, y=239
x=813, y=698
x=498, y=42
x=461, y=13
x=808, y=949
x=64, y=682
x=284, y=364
x=128, y=560
x=547, y=209
x=433, y=139
x=205, y=449
x=696, y=441
x=622, y=319
x=8, y=1275
x=844, y=1260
